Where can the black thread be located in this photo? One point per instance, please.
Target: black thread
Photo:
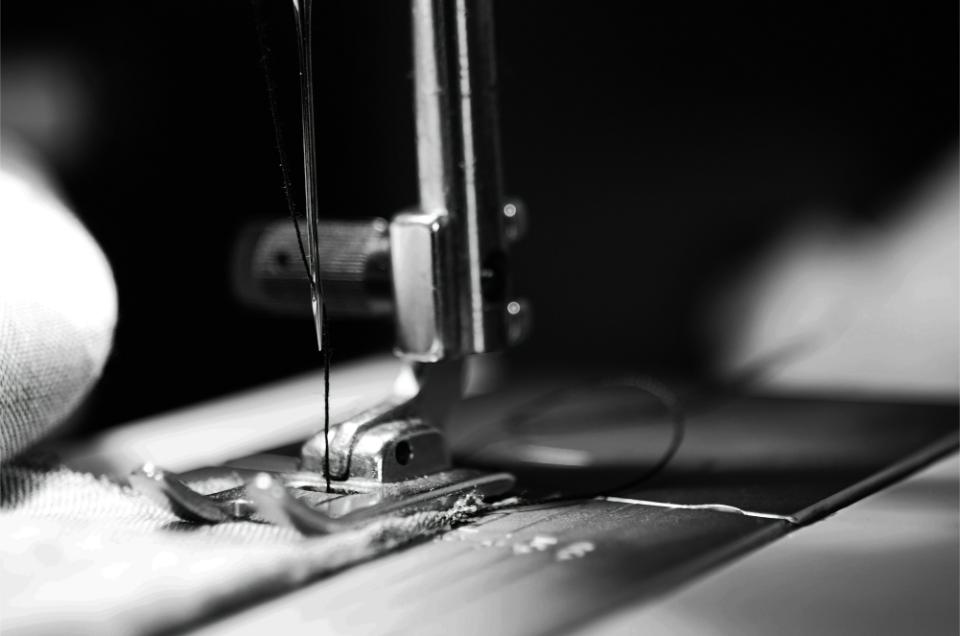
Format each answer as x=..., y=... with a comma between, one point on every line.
x=698, y=400
x=325, y=353
x=516, y=423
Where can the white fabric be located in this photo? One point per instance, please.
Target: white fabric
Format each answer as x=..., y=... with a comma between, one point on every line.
x=81, y=555
x=58, y=307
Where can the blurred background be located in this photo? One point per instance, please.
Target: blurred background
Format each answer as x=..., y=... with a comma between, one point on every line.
x=662, y=148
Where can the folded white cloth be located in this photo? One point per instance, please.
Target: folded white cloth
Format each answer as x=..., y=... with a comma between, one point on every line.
x=58, y=306
x=83, y=555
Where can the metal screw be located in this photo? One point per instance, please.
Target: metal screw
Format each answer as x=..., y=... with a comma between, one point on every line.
x=519, y=320
x=515, y=219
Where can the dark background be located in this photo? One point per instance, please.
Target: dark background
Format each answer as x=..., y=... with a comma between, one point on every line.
x=657, y=145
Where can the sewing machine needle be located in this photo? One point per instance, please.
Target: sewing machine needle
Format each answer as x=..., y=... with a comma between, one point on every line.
x=303, y=19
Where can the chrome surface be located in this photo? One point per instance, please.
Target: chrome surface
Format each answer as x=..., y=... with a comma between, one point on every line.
x=304, y=25
x=458, y=155
x=424, y=304
x=168, y=491
x=363, y=447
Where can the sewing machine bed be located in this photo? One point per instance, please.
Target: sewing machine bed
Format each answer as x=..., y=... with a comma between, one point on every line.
x=775, y=464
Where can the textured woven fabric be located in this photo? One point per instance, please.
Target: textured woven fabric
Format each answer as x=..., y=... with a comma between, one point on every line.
x=58, y=307
x=83, y=555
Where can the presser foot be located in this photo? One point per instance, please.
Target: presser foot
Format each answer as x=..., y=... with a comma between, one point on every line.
x=387, y=460
x=300, y=500
x=436, y=492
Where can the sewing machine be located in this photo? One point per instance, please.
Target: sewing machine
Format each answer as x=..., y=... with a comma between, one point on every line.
x=753, y=469
x=440, y=270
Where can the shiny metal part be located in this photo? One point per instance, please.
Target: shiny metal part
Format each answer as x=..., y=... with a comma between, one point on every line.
x=448, y=258
x=268, y=270
x=516, y=220
x=296, y=500
x=355, y=266
x=400, y=438
x=279, y=505
x=455, y=308
x=168, y=490
x=418, y=243
x=519, y=320
x=303, y=18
